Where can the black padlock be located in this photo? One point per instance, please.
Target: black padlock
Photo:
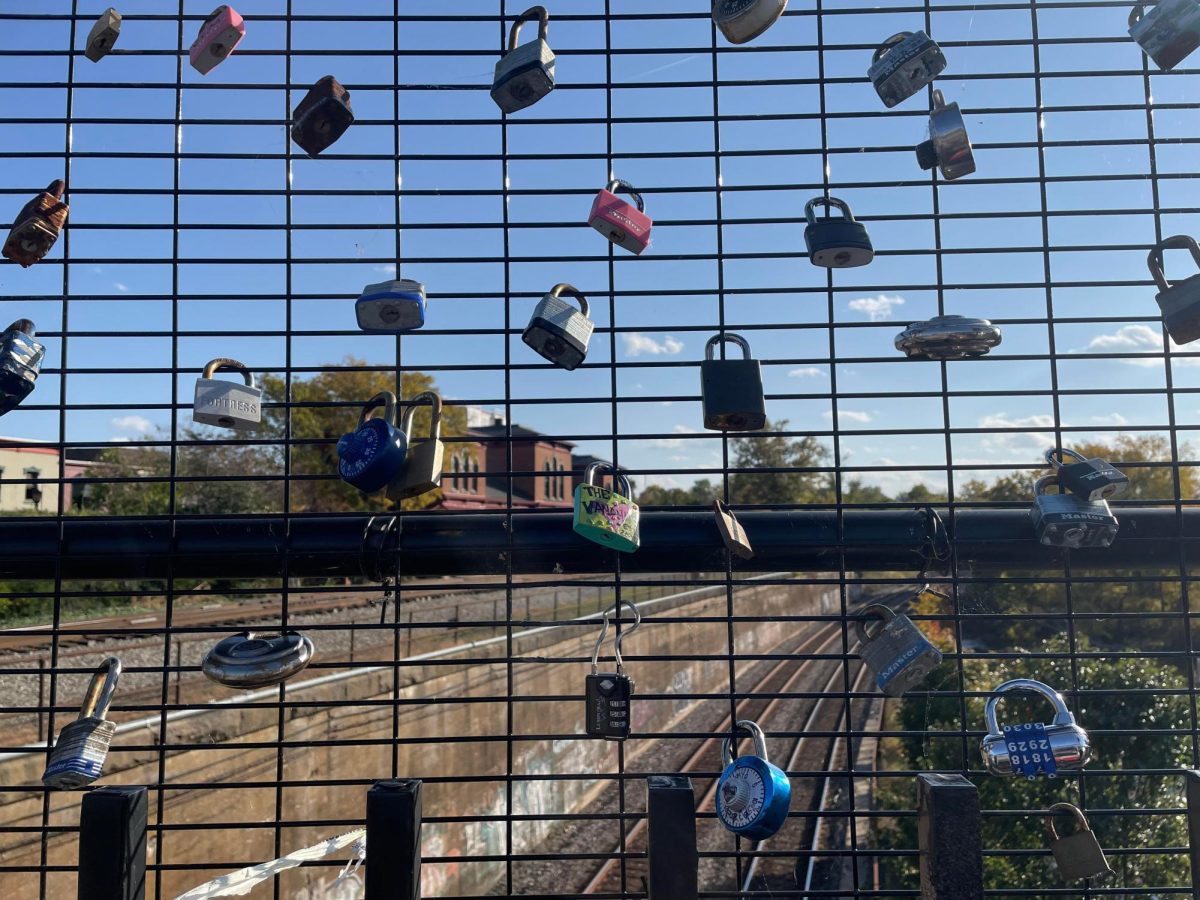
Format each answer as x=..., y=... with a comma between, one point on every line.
x=732, y=389
x=836, y=243
x=1179, y=302
x=322, y=116
x=1091, y=479
x=608, y=693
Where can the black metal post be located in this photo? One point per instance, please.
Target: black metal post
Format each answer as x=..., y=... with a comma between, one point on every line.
x=950, y=838
x=394, y=840
x=112, y=844
x=671, y=838
x=1193, y=805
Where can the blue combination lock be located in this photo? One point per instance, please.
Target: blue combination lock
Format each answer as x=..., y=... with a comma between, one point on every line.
x=752, y=796
x=373, y=454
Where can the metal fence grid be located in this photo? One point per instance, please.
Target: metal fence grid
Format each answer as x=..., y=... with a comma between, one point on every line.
x=197, y=230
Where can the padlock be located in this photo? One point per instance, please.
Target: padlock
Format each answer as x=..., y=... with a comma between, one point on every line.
x=732, y=532
x=608, y=693
x=1033, y=747
x=610, y=518
x=948, y=147
x=948, y=337
x=391, y=306
x=250, y=660
x=1168, y=33
x=752, y=795
x=82, y=746
x=423, y=469
x=20, y=361
x=1077, y=855
x=1179, y=302
x=836, y=243
x=322, y=116
x=1090, y=479
x=731, y=390
x=226, y=403
x=742, y=21
x=898, y=654
x=524, y=75
x=557, y=330
x=220, y=34
x=903, y=64
x=374, y=454
x=103, y=35
x=622, y=223
x=37, y=226
x=1065, y=520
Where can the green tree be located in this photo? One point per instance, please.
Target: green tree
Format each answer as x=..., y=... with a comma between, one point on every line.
x=702, y=493
x=793, y=483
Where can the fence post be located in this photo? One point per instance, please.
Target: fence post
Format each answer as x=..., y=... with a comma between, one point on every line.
x=112, y=844
x=950, y=838
x=42, y=735
x=1193, y=805
x=671, y=854
x=394, y=831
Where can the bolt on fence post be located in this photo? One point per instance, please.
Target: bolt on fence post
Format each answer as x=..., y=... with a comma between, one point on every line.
x=394, y=831
x=671, y=838
x=950, y=838
x=112, y=844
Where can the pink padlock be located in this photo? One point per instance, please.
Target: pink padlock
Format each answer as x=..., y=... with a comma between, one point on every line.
x=622, y=223
x=219, y=35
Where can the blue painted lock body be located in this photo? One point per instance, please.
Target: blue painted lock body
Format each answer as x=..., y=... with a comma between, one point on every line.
x=753, y=796
x=372, y=455
x=391, y=306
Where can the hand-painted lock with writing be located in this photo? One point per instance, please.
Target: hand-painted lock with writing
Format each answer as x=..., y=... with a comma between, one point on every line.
x=103, y=35
x=373, y=455
x=607, y=517
x=1078, y=855
x=741, y=21
x=227, y=404
x=1065, y=520
x=37, y=226
x=220, y=34
x=897, y=653
x=557, y=330
x=1033, y=747
x=731, y=390
x=250, y=660
x=525, y=74
x=949, y=146
x=423, y=469
x=1168, y=33
x=1179, y=302
x=1089, y=479
x=20, y=361
x=752, y=795
x=903, y=64
x=608, y=694
x=622, y=223
x=390, y=307
x=82, y=746
x=836, y=242
x=322, y=116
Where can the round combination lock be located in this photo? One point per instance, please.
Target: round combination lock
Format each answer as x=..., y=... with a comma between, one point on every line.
x=252, y=660
x=752, y=795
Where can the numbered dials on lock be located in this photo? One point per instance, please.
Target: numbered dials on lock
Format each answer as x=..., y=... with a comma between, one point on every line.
x=741, y=797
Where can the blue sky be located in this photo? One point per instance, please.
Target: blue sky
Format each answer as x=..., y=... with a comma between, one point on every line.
x=870, y=165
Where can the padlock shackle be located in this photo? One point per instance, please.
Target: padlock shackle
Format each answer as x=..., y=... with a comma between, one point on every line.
x=435, y=419
x=1135, y=14
x=387, y=400
x=534, y=12
x=637, y=623
x=214, y=14
x=1062, y=715
x=24, y=326
x=874, y=612
x=99, y=695
x=889, y=43
x=729, y=336
x=810, y=208
x=1080, y=819
x=1039, y=486
x=939, y=102
x=1062, y=453
x=223, y=364
x=1154, y=260
x=624, y=187
x=760, y=741
x=571, y=291
x=622, y=483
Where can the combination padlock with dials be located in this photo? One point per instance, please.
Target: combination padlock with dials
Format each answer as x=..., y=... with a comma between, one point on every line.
x=557, y=330
x=220, y=34
x=1090, y=479
x=373, y=455
x=82, y=747
x=1065, y=520
x=525, y=74
x=322, y=116
x=250, y=660
x=903, y=64
x=20, y=361
x=752, y=795
x=423, y=469
x=742, y=21
x=836, y=242
x=948, y=147
x=1179, y=302
x=731, y=390
x=1168, y=33
x=897, y=653
x=608, y=517
x=625, y=224
x=1078, y=855
x=227, y=404
x=948, y=337
x=1031, y=748
x=37, y=226
x=103, y=35
x=608, y=693
x=391, y=306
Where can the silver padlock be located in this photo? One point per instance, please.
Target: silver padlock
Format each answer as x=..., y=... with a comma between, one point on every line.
x=227, y=404
x=903, y=64
x=898, y=654
x=103, y=35
x=1033, y=747
x=82, y=746
x=1179, y=302
x=525, y=74
x=741, y=21
x=1078, y=855
x=1065, y=520
x=250, y=660
x=948, y=337
x=1168, y=33
x=422, y=471
x=948, y=147
x=557, y=330
x=20, y=361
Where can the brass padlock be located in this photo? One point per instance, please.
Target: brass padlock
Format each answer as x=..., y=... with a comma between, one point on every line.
x=1179, y=302
x=1078, y=855
x=103, y=35
x=422, y=471
x=37, y=226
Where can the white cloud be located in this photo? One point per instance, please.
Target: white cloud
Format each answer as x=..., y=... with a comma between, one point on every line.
x=121, y=287
x=1017, y=444
x=879, y=309
x=636, y=344
x=1137, y=339
x=673, y=443
x=136, y=424
x=385, y=269
x=849, y=415
x=808, y=372
x=1110, y=419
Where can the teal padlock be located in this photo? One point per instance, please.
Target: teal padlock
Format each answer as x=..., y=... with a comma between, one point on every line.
x=607, y=517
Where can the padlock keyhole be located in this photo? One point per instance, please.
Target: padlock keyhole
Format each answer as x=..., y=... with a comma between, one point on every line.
x=225, y=422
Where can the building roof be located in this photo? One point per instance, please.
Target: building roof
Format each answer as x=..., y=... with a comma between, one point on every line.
x=518, y=431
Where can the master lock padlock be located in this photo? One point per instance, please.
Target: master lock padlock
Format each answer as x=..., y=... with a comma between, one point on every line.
x=557, y=330
x=220, y=34
x=608, y=693
x=1065, y=520
x=1088, y=479
x=227, y=404
x=1168, y=33
x=322, y=116
x=422, y=471
x=20, y=362
x=37, y=226
x=103, y=35
x=374, y=454
x=1031, y=748
x=610, y=518
x=525, y=74
x=948, y=147
x=903, y=64
x=1179, y=302
x=624, y=224
x=731, y=390
x=389, y=307
x=896, y=652
x=250, y=660
x=82, y=746
x=1078, y=855
x=836, y=242
x=741, y=21
x=753, y=796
